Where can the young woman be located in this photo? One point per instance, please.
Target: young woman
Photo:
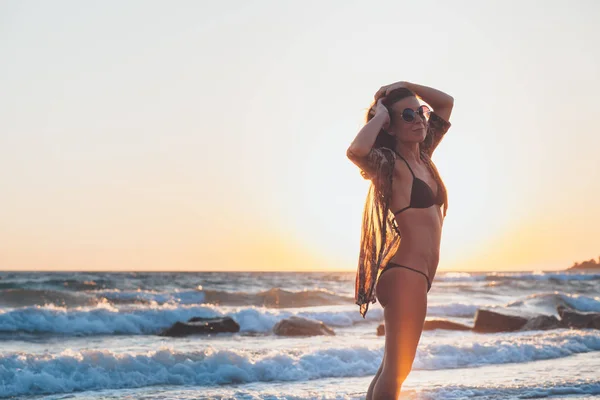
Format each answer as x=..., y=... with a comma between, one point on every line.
x=394, y=151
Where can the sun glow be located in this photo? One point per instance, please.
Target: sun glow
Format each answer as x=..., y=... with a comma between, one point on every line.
x=147, y=146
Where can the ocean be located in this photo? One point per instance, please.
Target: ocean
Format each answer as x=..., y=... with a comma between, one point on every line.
x=75, y=335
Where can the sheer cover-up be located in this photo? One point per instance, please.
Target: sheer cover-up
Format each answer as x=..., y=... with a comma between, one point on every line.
x=379, y=240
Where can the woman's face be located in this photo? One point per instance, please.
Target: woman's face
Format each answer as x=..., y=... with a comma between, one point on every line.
x=414, y=131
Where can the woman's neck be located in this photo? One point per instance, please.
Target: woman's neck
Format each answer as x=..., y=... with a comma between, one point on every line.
x=410, y=152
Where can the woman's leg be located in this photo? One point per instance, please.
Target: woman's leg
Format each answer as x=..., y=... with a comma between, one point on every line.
x=403, y=294
x=372, y=385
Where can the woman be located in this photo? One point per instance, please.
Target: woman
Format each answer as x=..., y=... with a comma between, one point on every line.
x=394, y=151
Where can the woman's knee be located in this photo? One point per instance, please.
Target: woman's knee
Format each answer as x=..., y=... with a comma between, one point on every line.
x=398, y=371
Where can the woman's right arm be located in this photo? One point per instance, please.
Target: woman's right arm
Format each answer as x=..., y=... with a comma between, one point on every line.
x=365, y=139
x=362, y=153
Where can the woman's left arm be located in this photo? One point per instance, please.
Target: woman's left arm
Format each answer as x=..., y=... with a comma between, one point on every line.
x=441, y=102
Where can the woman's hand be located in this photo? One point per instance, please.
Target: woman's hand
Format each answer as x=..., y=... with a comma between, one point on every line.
x=384, y=90
x=380, y=109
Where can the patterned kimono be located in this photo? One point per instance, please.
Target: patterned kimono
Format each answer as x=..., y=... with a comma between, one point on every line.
x=379, y=239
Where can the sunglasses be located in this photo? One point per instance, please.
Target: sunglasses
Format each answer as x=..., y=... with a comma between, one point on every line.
x=408, y=114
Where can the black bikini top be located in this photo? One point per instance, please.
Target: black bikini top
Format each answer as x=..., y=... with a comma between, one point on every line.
x=421, y=195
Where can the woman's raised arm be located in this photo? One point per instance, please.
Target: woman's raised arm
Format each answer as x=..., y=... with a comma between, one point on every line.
x=365, y=139
x=441, y=102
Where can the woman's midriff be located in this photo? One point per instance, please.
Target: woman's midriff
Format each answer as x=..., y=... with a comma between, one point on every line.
x=421, y=231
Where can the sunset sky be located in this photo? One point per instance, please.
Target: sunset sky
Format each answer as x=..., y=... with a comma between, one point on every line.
x=204, y=135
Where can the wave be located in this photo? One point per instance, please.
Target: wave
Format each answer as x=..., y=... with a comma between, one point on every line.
x=32, y=297
x=273, y=298
x=332, y=390
x=588, y=387
x=73, y=371
x=459, y=277
x=42, y=283
x=116, y=296
x=150, y=319
x=28, y=297
x=452, y=310
x=532, y=305
x=529, y=306
x=105, y=319
x=547, y=303
x=277, y=298
x=517, y=276
x=544, y=276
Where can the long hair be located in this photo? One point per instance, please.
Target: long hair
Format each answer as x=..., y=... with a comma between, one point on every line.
x=380, y=236
x=385, y=140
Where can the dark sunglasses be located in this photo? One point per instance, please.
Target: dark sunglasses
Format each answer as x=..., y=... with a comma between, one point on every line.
x=408, y=114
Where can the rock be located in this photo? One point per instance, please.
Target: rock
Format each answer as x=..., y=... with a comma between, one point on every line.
x=199, y=325
x=433, y=324
x=578, y=320
x=487, y=321
x=296, y=326
x=542, y=322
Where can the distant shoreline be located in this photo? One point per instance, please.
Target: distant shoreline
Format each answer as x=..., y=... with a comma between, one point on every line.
x=586, y=265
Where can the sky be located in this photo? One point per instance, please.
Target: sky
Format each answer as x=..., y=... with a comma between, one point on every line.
x=202, y=135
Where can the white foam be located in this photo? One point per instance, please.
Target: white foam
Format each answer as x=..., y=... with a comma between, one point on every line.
x=91, y=369
x=180, y=297
x=459, y=277
x=505, y=348
x=519, y=392
x=582, y=303
x=547, y=303
x=452, y=310
x=102, y=319
x=106, y=319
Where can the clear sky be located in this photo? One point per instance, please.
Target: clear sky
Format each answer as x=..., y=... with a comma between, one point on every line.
x=205, y=135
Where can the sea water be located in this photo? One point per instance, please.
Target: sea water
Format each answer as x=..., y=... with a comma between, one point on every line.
x=96, y=336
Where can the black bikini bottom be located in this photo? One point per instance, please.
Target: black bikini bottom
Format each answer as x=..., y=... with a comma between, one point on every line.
x=394, y=265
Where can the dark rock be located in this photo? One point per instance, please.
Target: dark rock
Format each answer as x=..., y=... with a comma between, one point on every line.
x=487, y=321
x=296, y=326
x=578, y=320
x=433, y=324
x=542, y=322
x=199, y=325
x=560, y=310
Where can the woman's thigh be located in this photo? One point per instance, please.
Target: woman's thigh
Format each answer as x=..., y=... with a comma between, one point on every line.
x=405, y=306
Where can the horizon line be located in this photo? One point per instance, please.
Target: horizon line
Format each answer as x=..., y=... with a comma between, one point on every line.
x=279, y=271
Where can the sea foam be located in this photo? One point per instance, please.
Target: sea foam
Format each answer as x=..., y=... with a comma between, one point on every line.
x=71, y=371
